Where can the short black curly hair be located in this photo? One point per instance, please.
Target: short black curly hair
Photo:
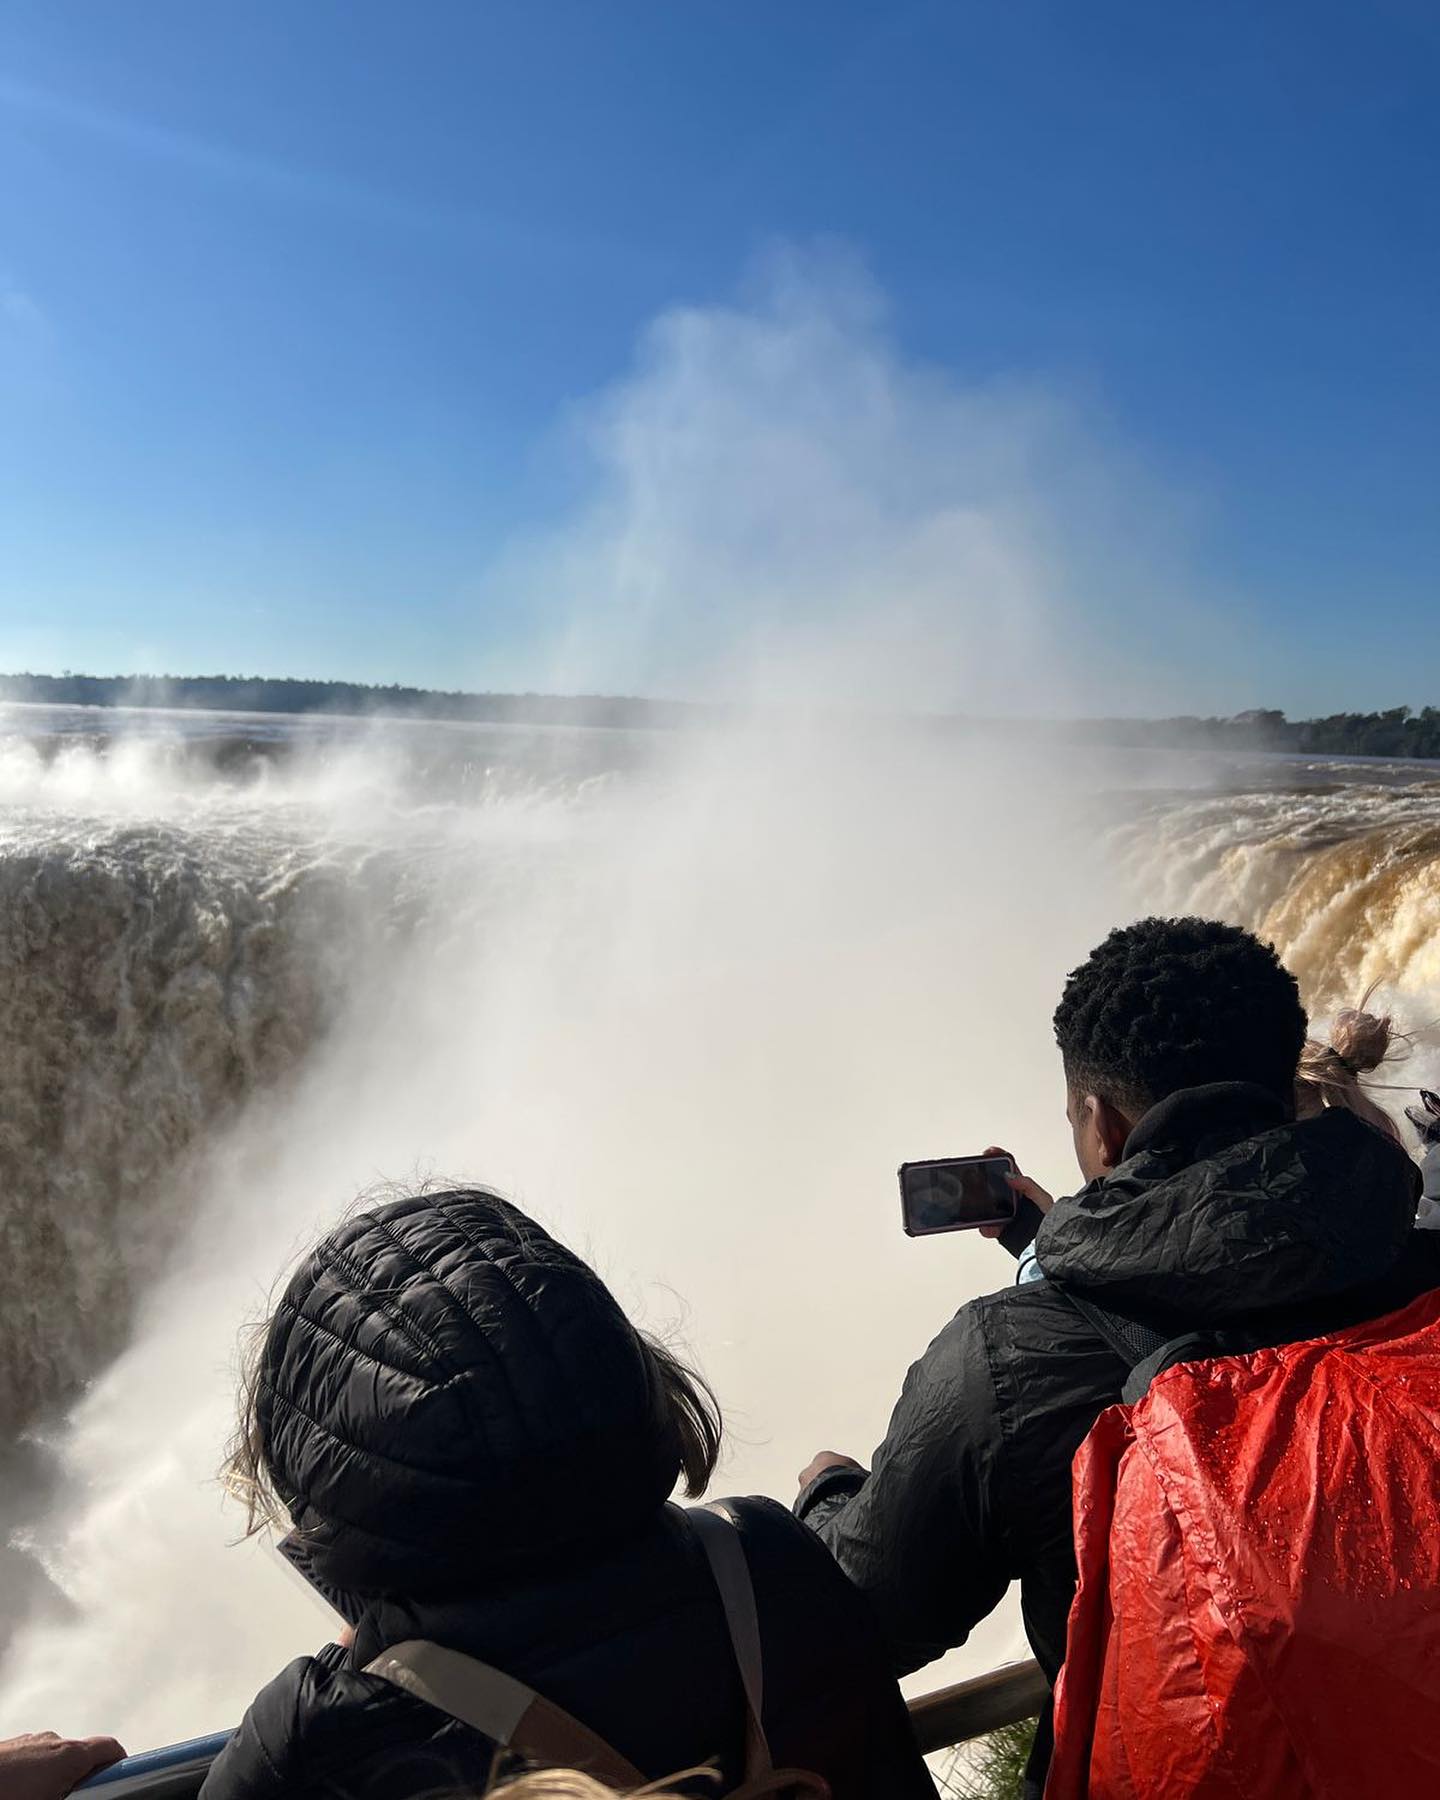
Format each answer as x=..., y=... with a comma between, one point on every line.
x=1174, y=1003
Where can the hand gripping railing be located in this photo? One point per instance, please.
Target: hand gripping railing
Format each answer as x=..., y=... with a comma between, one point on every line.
x=951, y=1715
x=174, y=1772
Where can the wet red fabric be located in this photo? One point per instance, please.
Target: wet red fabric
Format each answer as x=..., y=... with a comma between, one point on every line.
x=1258, y=1613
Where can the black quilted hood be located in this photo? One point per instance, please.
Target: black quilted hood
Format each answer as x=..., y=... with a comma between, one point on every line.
x=1224, y=1206
x=448, y=1396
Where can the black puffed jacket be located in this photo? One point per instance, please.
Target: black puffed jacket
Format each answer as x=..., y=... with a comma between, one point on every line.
x=469, y=1437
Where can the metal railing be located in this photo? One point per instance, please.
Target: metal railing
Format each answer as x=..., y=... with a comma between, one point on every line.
x=951, y=1715
x=954, y=1715
x=175, y=1772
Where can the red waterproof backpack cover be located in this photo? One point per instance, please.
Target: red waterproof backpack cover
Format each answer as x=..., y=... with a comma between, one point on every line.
x=1258, y=1614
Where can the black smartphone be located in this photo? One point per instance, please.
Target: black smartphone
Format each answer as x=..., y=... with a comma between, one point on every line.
x=956, y=1193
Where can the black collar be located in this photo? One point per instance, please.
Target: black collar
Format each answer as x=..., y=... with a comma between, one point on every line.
x=1195, y=1121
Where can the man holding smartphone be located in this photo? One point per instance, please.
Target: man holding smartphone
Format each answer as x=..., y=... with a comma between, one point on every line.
x=1206, y=1205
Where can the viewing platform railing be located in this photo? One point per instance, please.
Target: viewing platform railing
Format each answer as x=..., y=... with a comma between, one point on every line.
x=175, y=1771
x=951, y=1715
x=954, y=1715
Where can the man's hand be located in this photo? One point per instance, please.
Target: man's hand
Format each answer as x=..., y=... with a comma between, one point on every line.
x=1024, y=1186
x=827, y=1459
x=41, y=1766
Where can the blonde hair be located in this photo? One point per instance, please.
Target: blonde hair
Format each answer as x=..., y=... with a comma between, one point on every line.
x=570, y=1784
x=1329, y=1074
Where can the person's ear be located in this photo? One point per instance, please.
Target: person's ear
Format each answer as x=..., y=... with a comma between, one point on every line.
x=1110, y=1128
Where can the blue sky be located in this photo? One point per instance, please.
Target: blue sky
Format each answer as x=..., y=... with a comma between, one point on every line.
x=299, y=303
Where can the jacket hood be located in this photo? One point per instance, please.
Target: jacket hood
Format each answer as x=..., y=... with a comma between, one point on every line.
x=447, y=1396
x=1224, y=1205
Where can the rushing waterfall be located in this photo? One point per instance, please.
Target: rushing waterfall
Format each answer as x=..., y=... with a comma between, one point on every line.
x=689, y=999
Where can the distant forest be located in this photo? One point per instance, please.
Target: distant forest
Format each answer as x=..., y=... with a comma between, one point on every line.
x=256, y=694
x=1399, y=731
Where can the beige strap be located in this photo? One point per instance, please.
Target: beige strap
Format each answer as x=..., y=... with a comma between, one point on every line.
x=720, y=1540
x=501, y=1709
x=794, y=1784
x=508, y=1712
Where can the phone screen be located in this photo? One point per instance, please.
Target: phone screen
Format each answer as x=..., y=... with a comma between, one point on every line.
x=956, y=1194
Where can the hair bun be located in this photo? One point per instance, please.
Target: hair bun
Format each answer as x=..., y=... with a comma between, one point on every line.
x=1362, y=1040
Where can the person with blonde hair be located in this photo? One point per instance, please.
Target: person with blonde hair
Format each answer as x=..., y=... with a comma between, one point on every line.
x=568, y=1784
x=1329, y=1073
x=473, y=1450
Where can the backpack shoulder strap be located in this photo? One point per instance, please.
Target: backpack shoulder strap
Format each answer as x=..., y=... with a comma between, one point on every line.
x=715, y=1526
x=501, y=1708
x=511, y=1714
x=720, y=1540
x=1145, y=1351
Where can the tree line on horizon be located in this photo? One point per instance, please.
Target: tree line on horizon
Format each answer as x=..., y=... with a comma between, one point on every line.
x=1398, y=731
x=290, y=694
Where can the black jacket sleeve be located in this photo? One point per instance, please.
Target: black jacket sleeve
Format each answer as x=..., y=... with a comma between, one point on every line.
x=925, y=1535
x=312, y=1727
x=1019, y=1234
